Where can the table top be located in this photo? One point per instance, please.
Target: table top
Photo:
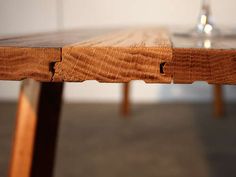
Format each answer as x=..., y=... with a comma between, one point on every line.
x=153, y=55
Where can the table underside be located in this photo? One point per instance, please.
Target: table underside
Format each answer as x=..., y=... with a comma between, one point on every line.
x=153, y=55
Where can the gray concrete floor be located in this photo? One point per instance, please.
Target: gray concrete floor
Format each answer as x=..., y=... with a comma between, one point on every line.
x=164, y=140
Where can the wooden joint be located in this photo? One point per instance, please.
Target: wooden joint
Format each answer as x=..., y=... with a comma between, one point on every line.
x=52, y=68
x=162, y=66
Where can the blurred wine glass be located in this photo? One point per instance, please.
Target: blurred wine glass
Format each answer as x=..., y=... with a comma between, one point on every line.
x=205, y=26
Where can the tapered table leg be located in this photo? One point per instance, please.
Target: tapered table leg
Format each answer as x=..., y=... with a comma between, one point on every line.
x=125, y=107
x=218, y=101
x=36, y=129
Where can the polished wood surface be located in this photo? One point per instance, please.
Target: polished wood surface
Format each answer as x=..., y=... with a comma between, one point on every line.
x=36, y=129
x=57, y=39
x=153, y=55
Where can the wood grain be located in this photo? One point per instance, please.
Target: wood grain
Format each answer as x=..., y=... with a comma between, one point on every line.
x=215, y=66
x=119, y=57
x=33, y=56
x=22, y=63
x=36, y=129
x=150, y=54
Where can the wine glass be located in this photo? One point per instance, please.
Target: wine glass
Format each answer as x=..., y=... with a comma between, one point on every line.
x=205, y=33
x=205, y=26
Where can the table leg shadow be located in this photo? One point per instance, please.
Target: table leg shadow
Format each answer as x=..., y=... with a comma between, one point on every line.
x=35, y=136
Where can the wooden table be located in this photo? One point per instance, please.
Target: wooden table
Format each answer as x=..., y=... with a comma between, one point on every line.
x=46, y=61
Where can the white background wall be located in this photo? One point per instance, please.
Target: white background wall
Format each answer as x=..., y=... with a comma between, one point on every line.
x=26, y=16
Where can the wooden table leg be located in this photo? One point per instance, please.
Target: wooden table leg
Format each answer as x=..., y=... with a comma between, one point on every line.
x=125, y=107
x=36, y=129
x=218, y=101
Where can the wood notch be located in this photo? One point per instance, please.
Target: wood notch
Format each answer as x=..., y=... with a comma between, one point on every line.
x=51, y=67
x=162, y=65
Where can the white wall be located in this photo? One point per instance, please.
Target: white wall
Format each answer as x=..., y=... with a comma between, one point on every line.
x=142, y=12
x=26, y=16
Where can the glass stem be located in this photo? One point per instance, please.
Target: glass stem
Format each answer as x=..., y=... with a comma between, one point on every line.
x=206, y=9
x=205, y=24
x=205, y=3
x=205, y=13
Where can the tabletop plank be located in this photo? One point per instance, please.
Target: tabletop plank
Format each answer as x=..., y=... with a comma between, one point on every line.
x=118, y=57
x=56, y=39
x=214, y=66
x=22, y=63
x=153, y=55
x=33, y=56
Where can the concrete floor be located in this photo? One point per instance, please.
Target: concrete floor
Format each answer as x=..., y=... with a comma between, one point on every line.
x=164, y=140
